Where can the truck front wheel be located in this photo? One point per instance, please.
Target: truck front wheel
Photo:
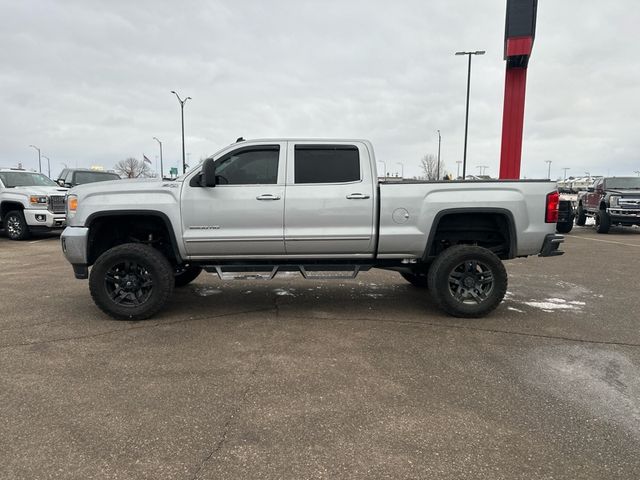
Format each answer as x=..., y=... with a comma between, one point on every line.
x=131, y=281
x=603, y=221
x=467, y=281
x=16, y=226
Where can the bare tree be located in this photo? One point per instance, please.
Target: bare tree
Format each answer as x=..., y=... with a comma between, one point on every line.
x=133, y=168
x=429, y=165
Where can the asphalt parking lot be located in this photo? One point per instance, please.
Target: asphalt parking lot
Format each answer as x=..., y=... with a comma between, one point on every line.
x=325, y=379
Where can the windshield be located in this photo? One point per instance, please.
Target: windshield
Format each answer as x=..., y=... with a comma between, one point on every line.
x=629, y=183
x=25, y=179
x=90, y=177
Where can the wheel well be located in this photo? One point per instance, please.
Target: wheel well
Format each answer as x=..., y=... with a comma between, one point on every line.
x=494, y=231
x=109, y=231
x=7, y=207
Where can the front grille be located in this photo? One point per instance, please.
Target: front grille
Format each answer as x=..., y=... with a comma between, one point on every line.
x=56, y=204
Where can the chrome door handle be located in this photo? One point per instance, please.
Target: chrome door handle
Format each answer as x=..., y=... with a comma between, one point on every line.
x=268, y=196
x=357, y=196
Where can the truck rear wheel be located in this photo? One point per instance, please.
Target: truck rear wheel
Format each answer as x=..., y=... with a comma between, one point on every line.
x=467, y=281
x=564, y=227
x=15, y=226
x=603, y=221
x=418, y=280
x=581, y=216
x=131, y=281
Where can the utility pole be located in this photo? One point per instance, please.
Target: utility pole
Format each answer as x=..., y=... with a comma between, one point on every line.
x=438, y=169
x=549, y=169
x=182, y=102
x=565, y=171
x=39, y=159
x=466, y=118
x=458, y=162
x=48, y=166
x=161, y=169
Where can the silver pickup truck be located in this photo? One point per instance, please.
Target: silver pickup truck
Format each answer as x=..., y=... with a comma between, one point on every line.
x=261, y=207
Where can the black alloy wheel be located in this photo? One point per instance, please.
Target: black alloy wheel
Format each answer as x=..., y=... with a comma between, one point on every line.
x=467, y=281
x=131, y=281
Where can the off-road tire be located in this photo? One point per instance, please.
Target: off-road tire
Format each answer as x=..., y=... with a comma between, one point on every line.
x=187, y=275
x=418, y=280
x=131, y=263
x=15, y=226
x=581, y=216
x=603, y=221
x=564, y=227
x=486, y=284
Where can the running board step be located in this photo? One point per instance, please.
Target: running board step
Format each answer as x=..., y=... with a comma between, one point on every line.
x=309, y=272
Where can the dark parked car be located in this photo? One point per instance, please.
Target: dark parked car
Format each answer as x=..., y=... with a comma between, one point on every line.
x=70, y=177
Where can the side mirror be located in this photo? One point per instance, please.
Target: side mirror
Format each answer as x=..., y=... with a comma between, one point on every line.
x=209, y=173
x=590, y=189
x=60, y=182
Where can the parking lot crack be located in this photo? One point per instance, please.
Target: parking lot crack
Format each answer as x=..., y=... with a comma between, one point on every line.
x=234, y=414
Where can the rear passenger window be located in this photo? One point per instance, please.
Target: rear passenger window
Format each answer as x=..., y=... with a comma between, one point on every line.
x=326, y=164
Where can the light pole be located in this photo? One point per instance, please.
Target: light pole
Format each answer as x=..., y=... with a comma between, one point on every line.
x=161, y=169
x=39, y=159
x=384, y=173
x=182, y=102
x=565, y=172
x=549, y=169
x=402, y=168
x=438, y=167
x=466, y=119
x=458, y=162
x=48, y=165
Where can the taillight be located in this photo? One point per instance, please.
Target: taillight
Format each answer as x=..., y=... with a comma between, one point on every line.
x=553, y=202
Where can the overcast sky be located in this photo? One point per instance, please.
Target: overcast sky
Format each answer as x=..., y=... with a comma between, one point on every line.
x=89, y=81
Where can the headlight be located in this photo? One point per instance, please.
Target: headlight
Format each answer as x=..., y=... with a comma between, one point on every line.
x=37, y=200
x=72, y=204
x=613, y=200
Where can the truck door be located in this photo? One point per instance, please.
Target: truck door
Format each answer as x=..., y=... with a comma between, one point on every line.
x=329, y=208
x=243, y=214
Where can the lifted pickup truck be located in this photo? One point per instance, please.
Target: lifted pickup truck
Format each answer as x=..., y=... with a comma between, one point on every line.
x=260, y=207
x=611, y=201
x=29, y=202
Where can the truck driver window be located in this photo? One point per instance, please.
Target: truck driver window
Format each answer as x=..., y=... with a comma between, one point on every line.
x=249, y=167
x=326, y=164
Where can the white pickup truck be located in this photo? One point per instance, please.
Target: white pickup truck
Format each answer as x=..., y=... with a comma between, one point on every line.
x=29, y=202
x=260, y=207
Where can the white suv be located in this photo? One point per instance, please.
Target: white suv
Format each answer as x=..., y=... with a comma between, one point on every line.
x=30, y=201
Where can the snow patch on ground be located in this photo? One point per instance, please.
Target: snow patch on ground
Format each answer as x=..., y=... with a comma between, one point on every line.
x=283, y=292
x=513, y=309
x=551, y=304
x=206, y=291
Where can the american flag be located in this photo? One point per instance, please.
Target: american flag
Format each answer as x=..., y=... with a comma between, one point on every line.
x=144, y=157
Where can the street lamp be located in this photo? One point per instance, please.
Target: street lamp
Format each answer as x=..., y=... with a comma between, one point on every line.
x=549, y=169
x=384, y=173
x=466, y=120
x=438, y=167
x=48, y=165
x=39, y=159
x=565, y=171
x=402, y=167
x=458, y=162
x=182, y=102
x=161, y=169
